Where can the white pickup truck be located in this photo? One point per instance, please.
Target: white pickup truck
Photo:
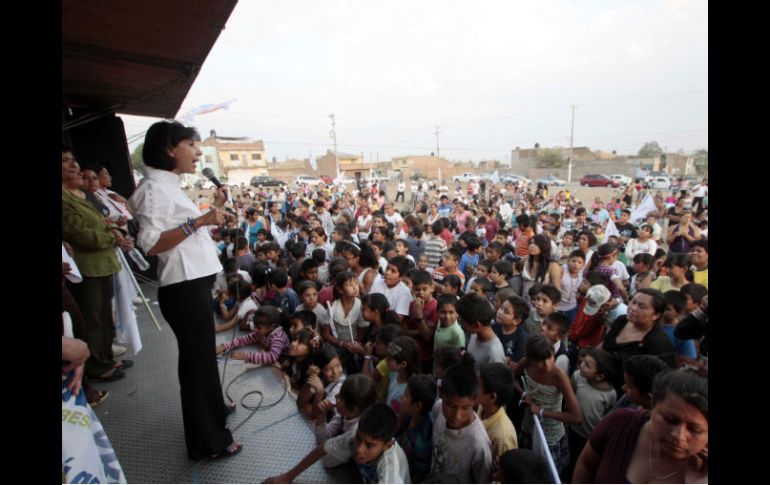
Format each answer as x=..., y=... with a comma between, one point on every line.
x=466, y=177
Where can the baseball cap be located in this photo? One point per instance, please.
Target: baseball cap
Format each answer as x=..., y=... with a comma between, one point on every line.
x=596, y=296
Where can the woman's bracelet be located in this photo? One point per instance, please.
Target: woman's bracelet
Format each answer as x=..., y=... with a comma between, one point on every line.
x=188, y=227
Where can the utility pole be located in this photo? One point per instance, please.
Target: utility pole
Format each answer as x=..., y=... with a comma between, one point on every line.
x=438, y=154
x=571, y=136
x=333, y=135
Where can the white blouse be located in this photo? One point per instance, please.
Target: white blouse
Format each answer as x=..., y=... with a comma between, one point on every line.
x=160, y=205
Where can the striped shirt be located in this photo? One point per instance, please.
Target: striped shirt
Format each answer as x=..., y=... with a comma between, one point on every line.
x=435, y=247
x=277, y=342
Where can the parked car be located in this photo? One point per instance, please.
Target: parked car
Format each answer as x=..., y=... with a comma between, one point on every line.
x=551, y=180
x=595, y=180
x=651, y=175
x=326, y=179
x=621, y=179
x=466, y=177
x=264, y=181
x=307, y=179
x=344, y=180
x=660, y=183
x=512, y=177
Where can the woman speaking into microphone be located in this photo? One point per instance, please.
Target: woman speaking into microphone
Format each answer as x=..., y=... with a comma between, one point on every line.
x=173, y=228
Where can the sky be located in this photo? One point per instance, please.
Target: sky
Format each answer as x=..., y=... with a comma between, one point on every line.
x=492, y=75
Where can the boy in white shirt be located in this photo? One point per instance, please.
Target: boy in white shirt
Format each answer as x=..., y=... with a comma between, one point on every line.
x=398, y=294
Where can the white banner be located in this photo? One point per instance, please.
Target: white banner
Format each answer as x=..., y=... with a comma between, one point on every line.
x=126, y=327
x=540, y=445
x=641, y=211
x=610, y=231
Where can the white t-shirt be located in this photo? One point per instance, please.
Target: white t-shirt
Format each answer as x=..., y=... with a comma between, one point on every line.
x=245, y=307
x=701, y=191
x=621, y=270
x=401, y=187
x=634, y=247
x=321, y=314
x=362, y=223
x=395, y=219
x=391, y=467
x=399, y=296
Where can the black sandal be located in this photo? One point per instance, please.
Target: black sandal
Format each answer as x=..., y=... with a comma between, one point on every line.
x=116, y=375
x=231, y=450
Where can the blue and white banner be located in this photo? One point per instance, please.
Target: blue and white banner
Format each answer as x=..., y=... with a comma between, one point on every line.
x=86, y=453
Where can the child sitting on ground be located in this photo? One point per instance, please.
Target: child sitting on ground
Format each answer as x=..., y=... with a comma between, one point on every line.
x=246, y=307
x=375, y=359
x=495, y=390
x=298, y=362
x=416, y=424
x=325, y=370
x=268, y=334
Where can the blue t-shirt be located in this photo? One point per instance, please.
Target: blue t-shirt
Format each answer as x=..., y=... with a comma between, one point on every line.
x=685, y=348
x=417, y=444
x=513, y=344
x=289, y=302
x=445, y=210
x=468, y=260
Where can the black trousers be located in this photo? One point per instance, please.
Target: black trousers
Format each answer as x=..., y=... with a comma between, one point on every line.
x=186, y=307
x=94, y=298
x=399, y=194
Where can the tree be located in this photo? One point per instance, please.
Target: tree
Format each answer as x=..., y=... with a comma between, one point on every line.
x=550, y=158
x=650, y=149
x=136, y=157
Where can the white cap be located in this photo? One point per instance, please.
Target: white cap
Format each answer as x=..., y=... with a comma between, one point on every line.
x=596, y=296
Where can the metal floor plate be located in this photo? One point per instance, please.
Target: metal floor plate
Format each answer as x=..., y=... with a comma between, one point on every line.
x=143, y=419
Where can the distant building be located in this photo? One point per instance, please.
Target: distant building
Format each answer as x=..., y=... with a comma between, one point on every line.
x=426, y=166
x=350, y=165
x=240, y=158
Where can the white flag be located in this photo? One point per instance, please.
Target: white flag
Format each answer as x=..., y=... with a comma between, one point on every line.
x=495, y=178
x=641, y=211
x=540, y=446
x=610, y=231
x=279, y=235
x=313, y=163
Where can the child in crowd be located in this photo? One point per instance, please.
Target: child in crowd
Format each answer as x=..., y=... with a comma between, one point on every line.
x=470, y=259
x=452, y=286
x=523, y=466
x=482, y=271
x=501, y=273
x=297, y=252
x=298, y=361
x=325, y=377
x=285, y=297
x=452, y=258
x=336, y=267
x=483, y=287
x=493, y=253
x=308, y=271
x=462, y=452
x=588, y=328
x=246, y=307
x=566, y=247
x=572, y=275
x=415, y=434
x=694, y=293
x=423, y=318
x=495, y=390
x=595, y=394
x=309, y=293
x=422, y=263
x=544, y=299
x=273, y=253
x=402, y=249
x=546, y=387
x=511, y=314
x=403, y=362
x=375, y=359
x=476, y=317
x=377, y=246
x=638, y=373
x=555, y=327
x=393, y=288
x=676, y=309
x=229, y=274
x=347, y=327
x=642, y=263
x=449, y=331
x=319, y=256
x=268, y=334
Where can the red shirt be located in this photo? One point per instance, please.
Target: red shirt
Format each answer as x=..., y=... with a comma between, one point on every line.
x=447, y=237
x=326, y=295
x=586, y=331
x=492, y=227
x=522, y=243
x=430, y=315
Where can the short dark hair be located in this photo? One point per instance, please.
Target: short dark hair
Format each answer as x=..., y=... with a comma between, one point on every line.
x=319, y=255
x=676, y=299
x=161, y=137
x=459, y=380
x=453, y=280
x=437, y=227
x=643, y=369
x=504, y=267
x=519, y=465
x=308, y=264
x=658, y=301
x=473, y=308
x=323, y=355
x=560, y=320
x=577, y=253
x=551, y=293
x=520, y=307
x=498, y=378
x=447, y=300
x=388, y=333
x=401, y=264
x=404, y=349
x=239, y=288
x=645, y=259
x=695, y=291
x=298, y=249
x=473, y=243
x=306, y=285
x=454, y=253
x=596, y=278
x=485, y=284
x=423, y=390
x=700, y=243
x=606, y=363
x=278, y=278
x=358, y=392
x=421, y=278
x=378, y=421
x=307, y=317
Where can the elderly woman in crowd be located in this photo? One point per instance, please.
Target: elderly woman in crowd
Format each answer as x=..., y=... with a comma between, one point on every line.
x=667, y=445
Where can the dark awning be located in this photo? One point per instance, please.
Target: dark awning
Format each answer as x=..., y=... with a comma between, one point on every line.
x=136, y=57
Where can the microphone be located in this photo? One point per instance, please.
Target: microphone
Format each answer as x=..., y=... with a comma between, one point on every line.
x=209, y=174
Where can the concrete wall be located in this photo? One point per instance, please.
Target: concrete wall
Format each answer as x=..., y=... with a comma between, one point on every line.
x=593, y=167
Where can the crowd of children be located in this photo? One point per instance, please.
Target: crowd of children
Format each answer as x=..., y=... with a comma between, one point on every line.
x=423, y=349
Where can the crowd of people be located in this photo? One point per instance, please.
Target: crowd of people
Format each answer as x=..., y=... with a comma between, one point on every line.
x=422, y=345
